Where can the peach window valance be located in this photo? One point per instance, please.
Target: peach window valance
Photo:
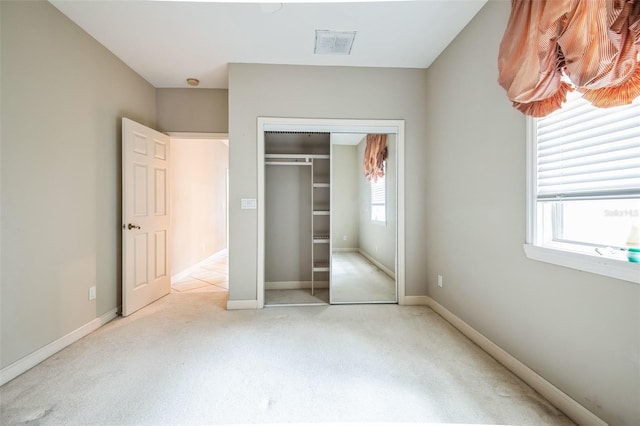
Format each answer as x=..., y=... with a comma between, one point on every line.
x=375, y=154
x=551, y=47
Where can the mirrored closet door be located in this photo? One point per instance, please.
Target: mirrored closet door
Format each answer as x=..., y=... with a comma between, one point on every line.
x=330, y=216
x=363, y=219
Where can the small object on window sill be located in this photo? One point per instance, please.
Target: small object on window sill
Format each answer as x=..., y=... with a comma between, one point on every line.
x=606, y=251
x=612, y=253
x=633, y=254
x=633, y=241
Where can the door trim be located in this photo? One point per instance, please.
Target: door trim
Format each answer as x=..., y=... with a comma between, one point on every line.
x=195, y=135
x=335, y=125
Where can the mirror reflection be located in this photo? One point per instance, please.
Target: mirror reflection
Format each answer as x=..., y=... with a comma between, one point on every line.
x=363, y=218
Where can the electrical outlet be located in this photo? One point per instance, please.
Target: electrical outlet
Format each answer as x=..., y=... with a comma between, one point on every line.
x=344, y=238
x=439, y=280
x=92, y=293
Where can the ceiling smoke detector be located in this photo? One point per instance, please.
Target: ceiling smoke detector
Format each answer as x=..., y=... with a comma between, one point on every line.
x=334, y=42
x=193, y=81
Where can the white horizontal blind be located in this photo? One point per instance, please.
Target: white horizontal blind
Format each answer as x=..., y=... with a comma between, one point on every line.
x=587, y=153
x=378, y=200
x=378, y=191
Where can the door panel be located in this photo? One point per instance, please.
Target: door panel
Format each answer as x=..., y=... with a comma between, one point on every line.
x=139, y=143
x=160, y=150
x=141, y=259
x=140, y=188
x=160, y=184
x=145, y=213
x=160, y=254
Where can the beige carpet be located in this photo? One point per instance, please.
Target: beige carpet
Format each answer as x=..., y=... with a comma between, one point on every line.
x=186, y=360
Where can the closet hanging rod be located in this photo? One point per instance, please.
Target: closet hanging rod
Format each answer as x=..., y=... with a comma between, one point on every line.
x=286, y=163
x=298, y=156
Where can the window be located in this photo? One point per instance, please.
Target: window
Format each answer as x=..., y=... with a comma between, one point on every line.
x=378, y=201
x=584, y=184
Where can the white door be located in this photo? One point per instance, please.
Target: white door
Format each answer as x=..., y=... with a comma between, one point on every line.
x=145, y=216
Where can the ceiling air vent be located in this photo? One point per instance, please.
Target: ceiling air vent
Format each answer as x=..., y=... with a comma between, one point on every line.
x=334, y=42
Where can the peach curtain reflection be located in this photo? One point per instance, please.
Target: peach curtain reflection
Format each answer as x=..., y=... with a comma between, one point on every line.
x=551, y=47
x=375, y=153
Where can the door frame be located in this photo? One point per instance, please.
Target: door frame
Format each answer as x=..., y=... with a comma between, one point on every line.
x=332, y=125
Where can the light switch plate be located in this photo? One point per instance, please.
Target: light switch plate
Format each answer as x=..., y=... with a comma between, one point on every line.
x=248, y=203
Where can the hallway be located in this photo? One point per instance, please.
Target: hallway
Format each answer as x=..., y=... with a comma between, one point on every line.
x=211, y=276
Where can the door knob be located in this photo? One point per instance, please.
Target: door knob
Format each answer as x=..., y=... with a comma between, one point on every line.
x=132, y=226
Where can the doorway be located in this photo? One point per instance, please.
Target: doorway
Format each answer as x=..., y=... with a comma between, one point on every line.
x=199, y=212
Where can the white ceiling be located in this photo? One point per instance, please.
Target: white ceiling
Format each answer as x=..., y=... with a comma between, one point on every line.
x=167, y=41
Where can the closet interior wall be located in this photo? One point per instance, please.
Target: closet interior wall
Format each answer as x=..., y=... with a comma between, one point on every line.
x=297, y=218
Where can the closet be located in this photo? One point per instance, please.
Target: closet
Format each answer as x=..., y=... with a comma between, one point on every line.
x=297, y=218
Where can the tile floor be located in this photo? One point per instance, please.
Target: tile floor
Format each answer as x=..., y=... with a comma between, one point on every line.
x=208, y=277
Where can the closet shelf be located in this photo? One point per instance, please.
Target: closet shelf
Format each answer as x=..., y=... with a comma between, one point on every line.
x=321, y=239
x=321, y=267
x=321, y=212
x=320, y=185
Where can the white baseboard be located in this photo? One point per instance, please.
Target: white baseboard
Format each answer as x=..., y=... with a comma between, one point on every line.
x=241, y=304
x=378, y=264
x=15, y=369
x=294, y=285
x=345, y=250
x=186, y=272
x=415, y=301
x=559, y=399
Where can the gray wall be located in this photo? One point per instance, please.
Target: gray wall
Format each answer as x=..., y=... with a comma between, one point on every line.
x=344, y=192
x=578, y=330
x=288, y=223
x=320, y=92
x=379, y=241
x=63, y=96
x=192, y=110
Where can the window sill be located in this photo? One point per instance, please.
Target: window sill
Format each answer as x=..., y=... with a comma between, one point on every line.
x=601, y=265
